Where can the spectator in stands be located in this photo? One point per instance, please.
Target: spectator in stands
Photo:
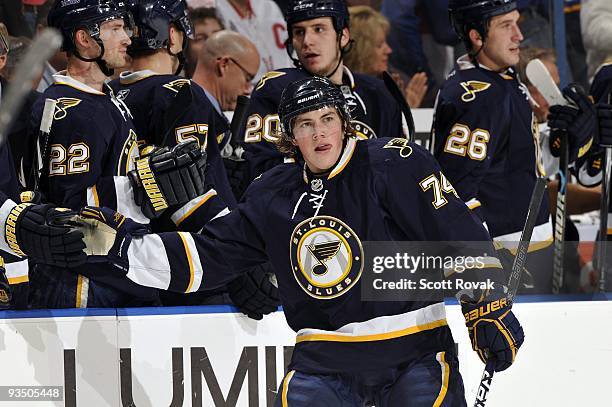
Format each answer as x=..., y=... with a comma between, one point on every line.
x=596, y=27
x=205, y=22
x=370, y=52
x=263, y=23
x=11, y=14
x=226, y=66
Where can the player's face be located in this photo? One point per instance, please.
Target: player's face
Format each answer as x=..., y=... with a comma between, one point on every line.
x=501, y=48
x=382, y=50
x=116, y=39
x=318, y=135
x=316, y=44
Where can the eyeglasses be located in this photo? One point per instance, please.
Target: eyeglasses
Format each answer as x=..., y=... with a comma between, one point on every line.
x=248, y=75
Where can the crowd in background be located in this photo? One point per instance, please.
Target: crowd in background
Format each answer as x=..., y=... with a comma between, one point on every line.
x=410, y=38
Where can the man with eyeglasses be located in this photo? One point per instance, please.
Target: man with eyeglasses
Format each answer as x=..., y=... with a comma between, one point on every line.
x=164, y=116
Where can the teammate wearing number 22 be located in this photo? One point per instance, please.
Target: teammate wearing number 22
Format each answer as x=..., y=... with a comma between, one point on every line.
x=310, y=220
x=485, y=135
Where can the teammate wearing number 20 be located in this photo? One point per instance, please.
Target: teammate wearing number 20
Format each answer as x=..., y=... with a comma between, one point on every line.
x=310, y=220
x=485, y=135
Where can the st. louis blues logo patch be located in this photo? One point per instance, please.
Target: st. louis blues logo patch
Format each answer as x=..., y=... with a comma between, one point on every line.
x=326, y=257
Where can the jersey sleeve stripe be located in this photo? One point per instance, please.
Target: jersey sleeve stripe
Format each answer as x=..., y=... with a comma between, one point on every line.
x=92, y=196
x=195, y=265
x=140, y=253
x=125, y=200
x=17, y=272
x=190, y=207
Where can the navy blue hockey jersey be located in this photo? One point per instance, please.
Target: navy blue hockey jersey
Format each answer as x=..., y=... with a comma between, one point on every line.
x=375, y=113
x=380, y=190
x=602, y=83
x=92, y=146
x=486, y=139
x=150, y=95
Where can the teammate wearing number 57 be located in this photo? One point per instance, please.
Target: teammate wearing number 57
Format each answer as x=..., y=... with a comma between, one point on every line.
x=485, y=135
x=310, y=220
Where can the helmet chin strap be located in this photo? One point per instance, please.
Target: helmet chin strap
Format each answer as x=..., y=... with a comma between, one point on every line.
x=343, y=51
x=106, y=70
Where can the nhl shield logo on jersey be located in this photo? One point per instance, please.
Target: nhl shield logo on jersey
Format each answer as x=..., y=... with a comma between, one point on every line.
x=326, y=257
x=472, y=88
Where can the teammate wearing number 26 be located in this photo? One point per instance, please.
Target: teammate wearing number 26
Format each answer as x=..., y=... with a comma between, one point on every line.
x=310, y=220
x=485, y=135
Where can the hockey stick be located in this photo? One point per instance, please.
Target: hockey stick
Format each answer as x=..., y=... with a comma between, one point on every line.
x=237, y=139
x=396, y=92
x=43, y=47
x=540, y=78
x=603, y=213
x=43, y=140
x=515, y=278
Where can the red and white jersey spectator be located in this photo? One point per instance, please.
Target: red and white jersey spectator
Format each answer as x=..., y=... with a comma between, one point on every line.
x=263, y=23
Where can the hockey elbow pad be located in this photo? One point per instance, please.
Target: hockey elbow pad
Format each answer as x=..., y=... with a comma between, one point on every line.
x=168, y=177
x=494, y=331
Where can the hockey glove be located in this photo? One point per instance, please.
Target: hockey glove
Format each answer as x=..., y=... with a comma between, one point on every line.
x=604, y=114
x=494, y=331
x=168, y=177
x=108, y=234
x=579, y=121
x=255, y=293
x=5, y=288
x=46, y=234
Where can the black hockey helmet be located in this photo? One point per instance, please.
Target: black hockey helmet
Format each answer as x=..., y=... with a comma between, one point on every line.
x=68, y=16
x=307, y=95
x=466, y=15
x=152, y=19
x=300, y=10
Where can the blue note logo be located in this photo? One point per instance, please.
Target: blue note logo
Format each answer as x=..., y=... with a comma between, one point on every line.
x=326, y=257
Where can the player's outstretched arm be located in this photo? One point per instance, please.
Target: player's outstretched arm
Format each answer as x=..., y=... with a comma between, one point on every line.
x=44, y=233
x=172, y=261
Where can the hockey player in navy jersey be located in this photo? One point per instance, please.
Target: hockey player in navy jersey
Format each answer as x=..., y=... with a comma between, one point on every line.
x=485, y=133
x=162, y=31
x=39, y=231
x=348, y=351
x=92, y=151
x=149, y=90
x=318, y=39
